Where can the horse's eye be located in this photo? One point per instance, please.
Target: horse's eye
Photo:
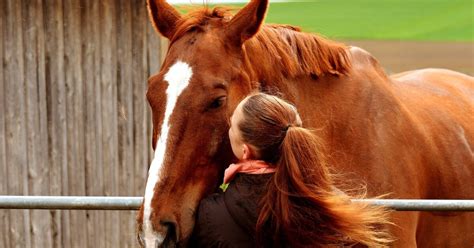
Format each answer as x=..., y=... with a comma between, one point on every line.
x=217, y=103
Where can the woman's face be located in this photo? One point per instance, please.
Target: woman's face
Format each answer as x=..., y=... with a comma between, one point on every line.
x=235, y=136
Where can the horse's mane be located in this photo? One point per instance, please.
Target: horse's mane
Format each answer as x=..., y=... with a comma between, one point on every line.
x=285, y=49
x=278, y=51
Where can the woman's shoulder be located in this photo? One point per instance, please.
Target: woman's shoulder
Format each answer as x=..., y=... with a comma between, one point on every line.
x=215, y=227
x=211, y=209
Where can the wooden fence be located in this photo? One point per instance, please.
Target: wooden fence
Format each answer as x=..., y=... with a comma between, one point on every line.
x=73, y=115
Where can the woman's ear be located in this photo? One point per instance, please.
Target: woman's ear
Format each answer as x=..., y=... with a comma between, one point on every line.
x=247, y=154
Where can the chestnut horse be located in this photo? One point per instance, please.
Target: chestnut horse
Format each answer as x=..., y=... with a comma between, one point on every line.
x=409, y=134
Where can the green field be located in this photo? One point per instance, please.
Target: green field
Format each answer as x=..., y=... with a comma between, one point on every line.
x=448, y=20
x=433, y=20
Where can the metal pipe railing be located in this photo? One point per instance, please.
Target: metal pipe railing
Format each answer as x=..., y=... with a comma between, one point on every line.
x=70, y=202
x=422, y=205
x=133, y=203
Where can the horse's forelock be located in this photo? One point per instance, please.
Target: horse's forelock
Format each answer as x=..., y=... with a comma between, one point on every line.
x=196, y=19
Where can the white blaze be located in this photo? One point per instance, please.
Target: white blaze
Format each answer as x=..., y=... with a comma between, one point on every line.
x=177, y=77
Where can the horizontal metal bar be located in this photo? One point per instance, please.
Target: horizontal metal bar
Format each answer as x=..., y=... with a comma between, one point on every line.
x=70, y=202
x=422, y=205
x=133, y=203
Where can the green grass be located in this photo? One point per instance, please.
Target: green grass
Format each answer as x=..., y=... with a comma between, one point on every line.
x=433, y=20
x=436, y=20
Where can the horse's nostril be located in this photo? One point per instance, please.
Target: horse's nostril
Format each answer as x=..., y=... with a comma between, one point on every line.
x=171, y=233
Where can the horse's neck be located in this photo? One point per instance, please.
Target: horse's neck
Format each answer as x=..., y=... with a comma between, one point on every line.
x=343, y=79
x=340, y=106
x=332, y=100
x=352, y=113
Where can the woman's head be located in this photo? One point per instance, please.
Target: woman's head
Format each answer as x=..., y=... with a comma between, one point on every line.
x=300, y=206
x=259, y=125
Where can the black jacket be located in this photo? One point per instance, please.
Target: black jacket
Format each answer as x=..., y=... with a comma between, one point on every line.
x=228, y=219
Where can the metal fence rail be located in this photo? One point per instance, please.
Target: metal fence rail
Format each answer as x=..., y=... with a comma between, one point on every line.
x=422, y=205
x=133, y=203
x=70, y=202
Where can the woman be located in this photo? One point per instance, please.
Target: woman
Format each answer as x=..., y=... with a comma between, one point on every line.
x=282, y=194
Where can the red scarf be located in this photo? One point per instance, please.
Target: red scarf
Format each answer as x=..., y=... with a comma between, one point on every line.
x=247, y=167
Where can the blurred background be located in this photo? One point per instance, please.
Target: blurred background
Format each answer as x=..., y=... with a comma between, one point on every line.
x=73, y=114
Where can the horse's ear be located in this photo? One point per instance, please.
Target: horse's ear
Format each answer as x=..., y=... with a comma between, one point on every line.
x=163, y=17
x=246, y=23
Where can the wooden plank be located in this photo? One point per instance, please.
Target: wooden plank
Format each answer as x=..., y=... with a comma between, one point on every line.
x=56, y=109
x=74, y=119
x=141, y=120
x=93, y=124
x=4, y=233
x=155, y=45
x=108, y=41
x=15, y=125
x=38, y=171
x=142, y=142
x=125, y=118
x=43, y=146
x=89, y=81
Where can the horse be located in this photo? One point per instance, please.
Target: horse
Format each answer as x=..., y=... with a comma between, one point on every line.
x=409, y=134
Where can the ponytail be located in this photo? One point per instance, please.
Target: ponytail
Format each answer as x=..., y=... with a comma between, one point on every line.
x=301, y=207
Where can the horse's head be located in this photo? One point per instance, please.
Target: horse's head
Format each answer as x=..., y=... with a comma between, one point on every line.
x=200, y=83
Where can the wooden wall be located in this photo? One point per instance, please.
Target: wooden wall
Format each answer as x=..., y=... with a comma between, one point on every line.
x=73, y=115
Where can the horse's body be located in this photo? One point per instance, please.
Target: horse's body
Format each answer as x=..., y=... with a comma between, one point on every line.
x=409, y=135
